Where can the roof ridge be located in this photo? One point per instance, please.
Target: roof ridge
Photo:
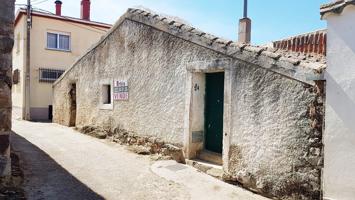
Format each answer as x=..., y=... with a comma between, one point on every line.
x=324, y=30
x=245, y=52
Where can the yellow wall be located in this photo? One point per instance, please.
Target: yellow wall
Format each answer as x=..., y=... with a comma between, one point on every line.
x=81, y=38
x=18, y=55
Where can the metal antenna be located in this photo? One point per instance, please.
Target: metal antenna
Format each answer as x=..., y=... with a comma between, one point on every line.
x=245, y=14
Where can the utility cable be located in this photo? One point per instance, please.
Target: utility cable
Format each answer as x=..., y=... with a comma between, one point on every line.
x=39, y=2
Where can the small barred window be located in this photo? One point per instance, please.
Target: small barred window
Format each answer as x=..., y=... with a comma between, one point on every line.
x=49, y=75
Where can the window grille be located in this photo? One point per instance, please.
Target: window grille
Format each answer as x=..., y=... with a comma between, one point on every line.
x=58, y=41
x=49, y=75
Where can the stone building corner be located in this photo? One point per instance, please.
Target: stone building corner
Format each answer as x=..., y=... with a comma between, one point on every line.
x=6, y=44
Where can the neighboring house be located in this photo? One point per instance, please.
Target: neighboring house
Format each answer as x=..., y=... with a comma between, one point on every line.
x=56, y=42
x=310, y=44
x=339, y=137
x=258, y=110
x=338, y=43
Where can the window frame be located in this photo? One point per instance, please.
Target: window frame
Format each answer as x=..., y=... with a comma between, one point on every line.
x=58, y=34
x=103, y=91
x=49, y=80
x=106, y=94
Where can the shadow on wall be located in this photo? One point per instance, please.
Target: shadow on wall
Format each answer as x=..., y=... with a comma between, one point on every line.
x=341, y=103
x=346, y=36
x=44, y=177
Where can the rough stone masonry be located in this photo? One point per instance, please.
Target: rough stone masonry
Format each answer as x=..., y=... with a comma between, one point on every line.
x=6, y=43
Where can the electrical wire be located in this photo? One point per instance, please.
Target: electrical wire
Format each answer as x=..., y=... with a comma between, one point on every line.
x=39, y=2
x=32, y=1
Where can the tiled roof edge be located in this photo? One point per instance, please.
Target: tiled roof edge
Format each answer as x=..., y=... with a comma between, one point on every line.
x=335, y=7
x=294, y=68
x=62, y=17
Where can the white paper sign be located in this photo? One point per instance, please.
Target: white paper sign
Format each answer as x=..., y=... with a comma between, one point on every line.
x=120, y=90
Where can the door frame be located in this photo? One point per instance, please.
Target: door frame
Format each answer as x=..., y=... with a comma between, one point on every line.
x=193, y=140
x=73, y=113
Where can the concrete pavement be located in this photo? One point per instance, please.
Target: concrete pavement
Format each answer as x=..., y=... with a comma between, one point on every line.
x=200, y=186
x=60, y=163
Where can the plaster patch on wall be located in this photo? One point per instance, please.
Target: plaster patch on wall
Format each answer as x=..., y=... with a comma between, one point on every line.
x=197, y=136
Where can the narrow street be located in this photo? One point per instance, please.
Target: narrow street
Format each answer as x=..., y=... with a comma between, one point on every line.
x=60, y=163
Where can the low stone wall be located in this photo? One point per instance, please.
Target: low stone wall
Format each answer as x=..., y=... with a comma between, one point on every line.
x=144, y=145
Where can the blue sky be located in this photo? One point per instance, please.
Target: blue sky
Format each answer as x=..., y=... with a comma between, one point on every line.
x=271, y=19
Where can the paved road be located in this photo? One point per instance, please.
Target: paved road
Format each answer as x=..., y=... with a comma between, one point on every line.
x=61, y=163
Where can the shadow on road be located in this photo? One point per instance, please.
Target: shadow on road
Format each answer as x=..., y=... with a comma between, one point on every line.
x=44, y=177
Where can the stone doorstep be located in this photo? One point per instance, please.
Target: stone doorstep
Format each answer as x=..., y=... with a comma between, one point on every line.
x=211, y=157
x=209, y=168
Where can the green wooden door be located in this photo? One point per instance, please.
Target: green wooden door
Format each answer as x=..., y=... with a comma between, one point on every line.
x=214, y=112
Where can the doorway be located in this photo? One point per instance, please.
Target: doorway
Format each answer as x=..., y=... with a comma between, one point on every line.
x=50, y=112
x=72, y=109
x=214, y=102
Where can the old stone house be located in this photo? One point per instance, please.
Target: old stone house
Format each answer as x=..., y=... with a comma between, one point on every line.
x=258, y=109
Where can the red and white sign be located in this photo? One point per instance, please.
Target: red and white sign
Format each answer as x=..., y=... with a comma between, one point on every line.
x=120, y=90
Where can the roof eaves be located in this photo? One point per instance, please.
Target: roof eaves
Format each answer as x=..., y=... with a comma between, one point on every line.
x=66, y=18
x=292, y=67
x=335, y=7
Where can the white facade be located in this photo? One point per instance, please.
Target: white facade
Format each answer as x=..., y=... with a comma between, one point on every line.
x=339, y=140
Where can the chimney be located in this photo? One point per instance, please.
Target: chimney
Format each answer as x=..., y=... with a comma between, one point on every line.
x=58, y=7
x=85, y=10
x=244, y=34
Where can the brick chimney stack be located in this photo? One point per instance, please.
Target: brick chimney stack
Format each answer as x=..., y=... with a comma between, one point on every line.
x=244, y=33
x=58, y=7
x=85, y=10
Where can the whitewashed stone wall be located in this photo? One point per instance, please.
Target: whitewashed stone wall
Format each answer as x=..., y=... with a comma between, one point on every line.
x=156, y=77
x=339, y=163
x=277, y=123
x=271, y=124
